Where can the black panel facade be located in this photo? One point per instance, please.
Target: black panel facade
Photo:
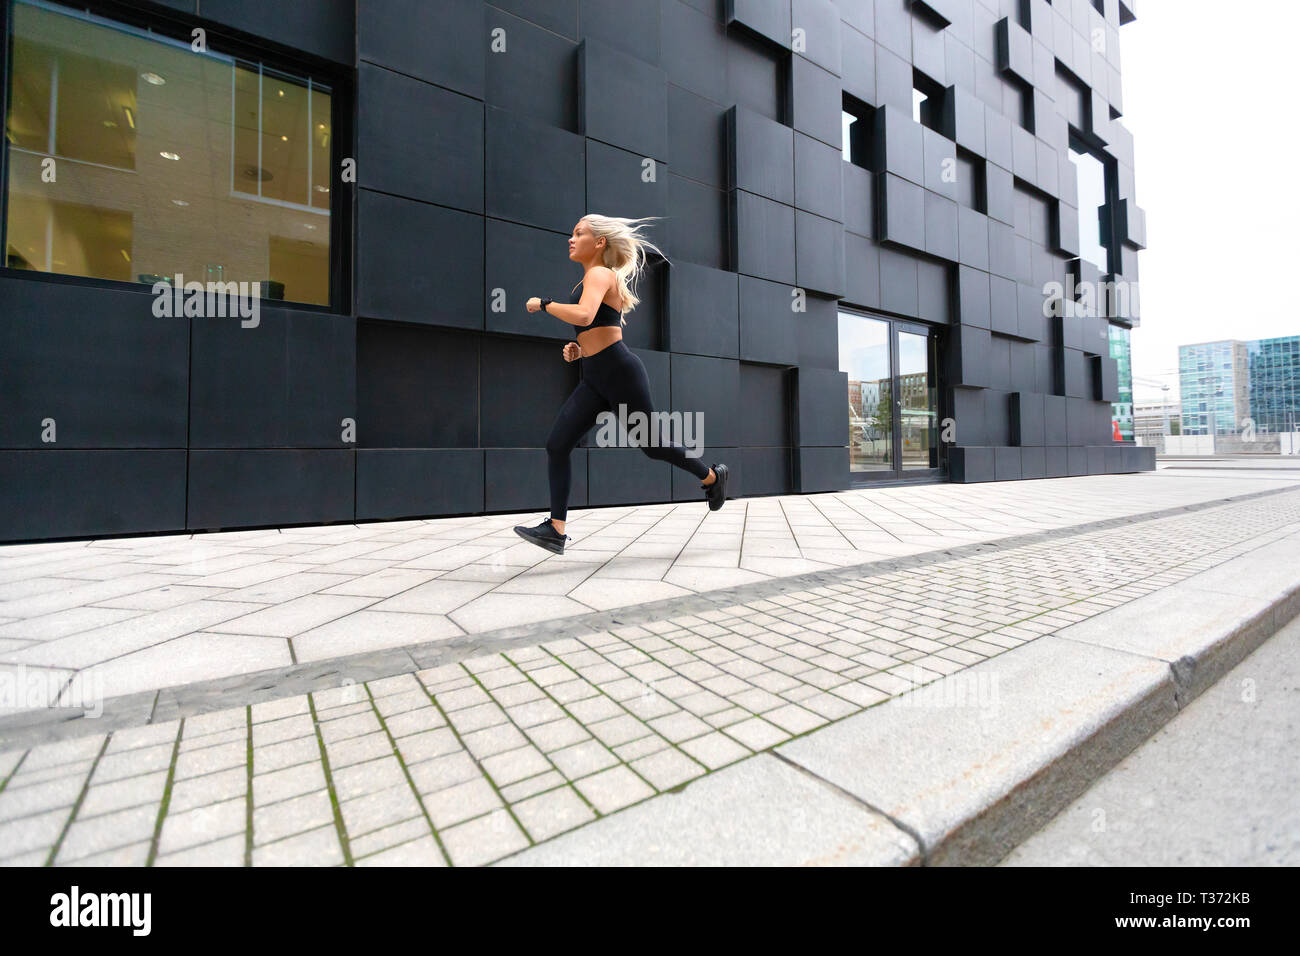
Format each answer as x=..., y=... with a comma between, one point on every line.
x=481, y=132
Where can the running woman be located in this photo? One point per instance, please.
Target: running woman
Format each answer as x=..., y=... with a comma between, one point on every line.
x=612, y=254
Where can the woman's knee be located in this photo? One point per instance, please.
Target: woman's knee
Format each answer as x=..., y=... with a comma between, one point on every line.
x=560, y=443
x=657, y=451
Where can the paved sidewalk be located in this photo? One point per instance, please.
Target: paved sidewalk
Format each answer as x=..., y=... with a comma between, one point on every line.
x=133, y=615
x=474, y=761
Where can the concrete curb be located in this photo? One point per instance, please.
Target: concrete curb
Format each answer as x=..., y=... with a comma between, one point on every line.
x=957, y=785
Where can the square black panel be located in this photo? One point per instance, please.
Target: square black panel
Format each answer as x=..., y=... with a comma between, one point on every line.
x=697, y=137
x=412, y=384
x=703, y=311
x=626, y=184
x=821, y=407
x=973, y=297
x=861, y=271
x=622, y=101
x=815, y=101
x=427, y=41
x=767, y=322
x=819, y=253
x=698, y=222
x=543, y=185
x=818, y=180
x=761, y=155
x=419, y=263
x=711, y=387
x=535, y=75
x=898, y=282
x=763, y=234
x=901, y=210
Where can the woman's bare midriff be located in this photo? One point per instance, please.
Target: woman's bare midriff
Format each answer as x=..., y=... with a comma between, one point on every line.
x=594, y=340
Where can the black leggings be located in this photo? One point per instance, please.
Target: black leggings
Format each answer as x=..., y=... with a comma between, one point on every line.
x=613, y=376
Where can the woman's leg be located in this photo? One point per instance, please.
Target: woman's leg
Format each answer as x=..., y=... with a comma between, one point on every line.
x=632, y=388
x=576, y=417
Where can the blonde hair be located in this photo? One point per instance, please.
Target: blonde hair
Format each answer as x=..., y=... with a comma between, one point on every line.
x=625, y=252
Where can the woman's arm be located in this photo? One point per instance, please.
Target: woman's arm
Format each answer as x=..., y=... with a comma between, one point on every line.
x=583, y=313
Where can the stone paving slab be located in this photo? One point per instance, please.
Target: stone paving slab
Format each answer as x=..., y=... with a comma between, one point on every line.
x=760, y=812
x=502, y=750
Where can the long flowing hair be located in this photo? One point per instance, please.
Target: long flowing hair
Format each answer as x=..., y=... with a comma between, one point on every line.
x=625, y=253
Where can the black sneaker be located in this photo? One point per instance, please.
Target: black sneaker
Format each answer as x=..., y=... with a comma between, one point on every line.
x=544, y=536
x=716, y=493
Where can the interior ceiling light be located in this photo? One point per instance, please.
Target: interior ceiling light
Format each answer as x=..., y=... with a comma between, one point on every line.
x=180, y=202
x=166, y=155
x=153, y=78
x=321, y=189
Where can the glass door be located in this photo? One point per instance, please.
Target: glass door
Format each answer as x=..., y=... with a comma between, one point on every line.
x=894, y=416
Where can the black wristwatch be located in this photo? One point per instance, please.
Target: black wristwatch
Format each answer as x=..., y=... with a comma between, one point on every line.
x=545, y=303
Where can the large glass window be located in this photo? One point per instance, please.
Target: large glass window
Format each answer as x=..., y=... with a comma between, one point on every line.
x=133, y=157
x=1094, y=209
x=916, y=400
x=1121, y=351
x=864, y=354
x=893, y=395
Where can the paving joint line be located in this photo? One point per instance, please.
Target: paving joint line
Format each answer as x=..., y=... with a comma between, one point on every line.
x=922, y=850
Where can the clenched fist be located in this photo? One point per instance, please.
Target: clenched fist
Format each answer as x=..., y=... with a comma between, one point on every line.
x=572, y=352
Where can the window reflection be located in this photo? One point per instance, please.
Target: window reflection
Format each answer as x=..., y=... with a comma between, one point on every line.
x=916, y=401
x=864, y=355
x=164, y=160
x=1092, y=210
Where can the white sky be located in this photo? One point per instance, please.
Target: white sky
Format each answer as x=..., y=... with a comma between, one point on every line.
x=1210, y=97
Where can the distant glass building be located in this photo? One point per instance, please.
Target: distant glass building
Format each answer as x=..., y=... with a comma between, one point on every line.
x=1222, y=384
x=1121, y=350
x=1275, y=383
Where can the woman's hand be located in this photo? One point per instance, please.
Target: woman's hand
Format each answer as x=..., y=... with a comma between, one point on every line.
x=534, y=304
x=572, y=352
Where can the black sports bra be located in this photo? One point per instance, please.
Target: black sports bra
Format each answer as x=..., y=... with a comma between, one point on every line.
x=606, y=315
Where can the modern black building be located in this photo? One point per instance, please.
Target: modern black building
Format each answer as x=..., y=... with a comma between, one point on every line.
x=869, y=209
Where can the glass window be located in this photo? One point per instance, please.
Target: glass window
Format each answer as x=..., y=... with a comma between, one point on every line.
x=1093, y=210
x=927, y=101
x=132, y=157
x=864, y=355
x=1121, y=351
x=970, y=180
x=917, y=401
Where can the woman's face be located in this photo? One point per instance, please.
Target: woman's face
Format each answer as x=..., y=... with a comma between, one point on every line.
x=582, y=244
